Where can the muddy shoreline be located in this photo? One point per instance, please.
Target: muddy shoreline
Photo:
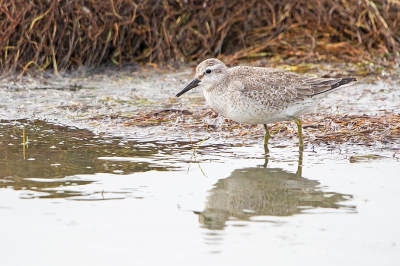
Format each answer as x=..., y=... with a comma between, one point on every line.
x=135, y=103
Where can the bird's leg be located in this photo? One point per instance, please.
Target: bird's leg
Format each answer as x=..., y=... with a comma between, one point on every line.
x=266, y=138
x=300, y=164
x=266, y=161
x=300, y=130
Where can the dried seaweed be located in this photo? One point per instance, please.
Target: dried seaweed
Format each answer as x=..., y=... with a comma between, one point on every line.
x=66, y=35
x=333, y=129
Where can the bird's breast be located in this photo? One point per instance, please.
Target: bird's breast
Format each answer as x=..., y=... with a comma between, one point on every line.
x=237, y=107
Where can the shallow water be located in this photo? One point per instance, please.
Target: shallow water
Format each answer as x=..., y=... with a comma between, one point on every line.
x=75, y=197
x=86, y=189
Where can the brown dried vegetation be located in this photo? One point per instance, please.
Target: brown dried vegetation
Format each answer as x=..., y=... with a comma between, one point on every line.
x=333, y=129
x=69, y=34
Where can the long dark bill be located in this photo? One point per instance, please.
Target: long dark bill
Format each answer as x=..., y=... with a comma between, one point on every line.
x=193, y=84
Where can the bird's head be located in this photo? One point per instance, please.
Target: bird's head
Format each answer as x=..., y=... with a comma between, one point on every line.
x=208, y=73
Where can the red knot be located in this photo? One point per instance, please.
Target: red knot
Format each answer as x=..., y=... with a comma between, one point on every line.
x=258, y=95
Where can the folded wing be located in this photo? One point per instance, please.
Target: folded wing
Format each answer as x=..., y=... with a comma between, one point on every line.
x=279, y=88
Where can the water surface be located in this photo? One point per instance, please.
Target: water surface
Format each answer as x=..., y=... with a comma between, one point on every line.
x=90, y=186
x=75, y=197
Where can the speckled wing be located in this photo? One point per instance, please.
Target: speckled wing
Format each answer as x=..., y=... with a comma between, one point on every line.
x=275, y=89
x=279, y=88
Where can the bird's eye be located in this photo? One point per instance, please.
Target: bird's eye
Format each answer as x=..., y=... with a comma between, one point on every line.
x=208, y=71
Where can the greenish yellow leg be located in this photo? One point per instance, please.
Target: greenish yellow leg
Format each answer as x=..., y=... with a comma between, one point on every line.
x=300, y=163
x=266, y=138
x=300, y=130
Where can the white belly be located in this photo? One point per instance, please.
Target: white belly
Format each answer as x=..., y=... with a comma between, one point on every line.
x=252, y=113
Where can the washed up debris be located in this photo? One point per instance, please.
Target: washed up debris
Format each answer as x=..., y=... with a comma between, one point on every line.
x=318, y=128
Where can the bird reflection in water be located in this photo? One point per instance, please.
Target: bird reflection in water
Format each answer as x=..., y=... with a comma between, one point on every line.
x=262, y=191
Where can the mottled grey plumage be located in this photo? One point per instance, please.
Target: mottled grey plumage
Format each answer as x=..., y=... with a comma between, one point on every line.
x=257, y=95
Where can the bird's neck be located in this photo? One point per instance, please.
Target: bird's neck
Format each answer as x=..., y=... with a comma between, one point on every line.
x=216, y=93
x=217, y=87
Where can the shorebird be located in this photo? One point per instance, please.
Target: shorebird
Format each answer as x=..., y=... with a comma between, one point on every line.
x=259, y=95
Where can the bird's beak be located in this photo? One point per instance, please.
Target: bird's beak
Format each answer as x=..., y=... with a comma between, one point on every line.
x=193, y=84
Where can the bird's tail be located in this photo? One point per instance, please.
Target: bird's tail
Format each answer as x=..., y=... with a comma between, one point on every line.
x=334, y=84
